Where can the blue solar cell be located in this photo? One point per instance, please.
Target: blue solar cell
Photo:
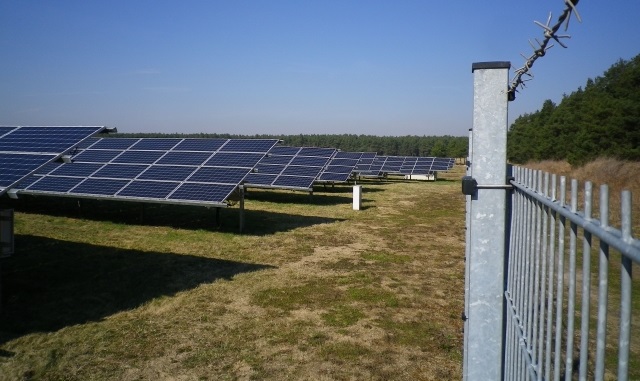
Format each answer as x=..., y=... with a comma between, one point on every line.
x=269, y=169
x=105, y=187
x=341, y=177
x=45, y=139
x=219, y=175
x=88, y=142
x=339, y=169
x=310, y=161
x=313, y=151
x=45, y=169
x=168, y=173
x=25, y=182
x=208, y=145
x=96, y=156
x=184, y=158
x=138, y=157
x=348, y=155
x=157, y=144
x=248, y=160
x=248, y=145
x=149, y=189
x=283, y=160
x=302, y=171
x=120, y=171
x=284, y=150
x=14, y=166
x=76, y=169
x=5, y=130
x=259, y=179
x=345, y=162
x=114, y=143
x=203, y=192
x=55, y=184
x=294, y=181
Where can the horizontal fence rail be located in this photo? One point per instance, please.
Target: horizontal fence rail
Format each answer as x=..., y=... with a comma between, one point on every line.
x=552, y=332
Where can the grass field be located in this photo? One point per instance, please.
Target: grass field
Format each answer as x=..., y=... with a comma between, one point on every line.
x=312, y=290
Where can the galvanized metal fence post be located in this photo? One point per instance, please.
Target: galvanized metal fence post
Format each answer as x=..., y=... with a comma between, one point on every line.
x=483, y=347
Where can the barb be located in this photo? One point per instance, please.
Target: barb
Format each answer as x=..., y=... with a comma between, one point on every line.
x=522, y=74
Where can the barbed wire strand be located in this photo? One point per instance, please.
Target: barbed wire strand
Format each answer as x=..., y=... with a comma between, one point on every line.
x=539, y=50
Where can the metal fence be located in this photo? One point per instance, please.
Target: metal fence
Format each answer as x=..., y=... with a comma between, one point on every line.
x=549, y=279
x=536, y=306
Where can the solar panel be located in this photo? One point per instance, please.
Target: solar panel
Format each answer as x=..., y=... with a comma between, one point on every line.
x=194, y=171
x=404, y=165
x=341, y=166
x=290, y=168
x=25, y=149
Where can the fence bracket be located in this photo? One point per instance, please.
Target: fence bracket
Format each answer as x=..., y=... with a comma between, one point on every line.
x=470, y=185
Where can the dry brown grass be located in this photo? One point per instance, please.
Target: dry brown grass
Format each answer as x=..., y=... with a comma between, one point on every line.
x=618, y=175
x=312, y=291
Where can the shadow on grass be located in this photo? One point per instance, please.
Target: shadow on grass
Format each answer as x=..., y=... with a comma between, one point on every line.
x=261, y=223
x=175, y=216
x=51, y=284
x=295, y=197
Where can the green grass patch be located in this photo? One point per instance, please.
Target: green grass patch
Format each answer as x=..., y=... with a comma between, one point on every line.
x=343, y=352
x=342, y=316
x=315, y=294
x=373, y=296
x=385, y=257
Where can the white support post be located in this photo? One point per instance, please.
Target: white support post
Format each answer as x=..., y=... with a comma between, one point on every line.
x=357, y=197
x=483, y=346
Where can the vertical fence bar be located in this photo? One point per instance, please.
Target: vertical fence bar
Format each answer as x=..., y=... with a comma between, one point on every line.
x=586, y=284
x=543, y=278
x=537, y=234
x=560, y=296
x=552, y=262
x=625, y=292
x=486, y=256
x=571, y=295
x=603, y=286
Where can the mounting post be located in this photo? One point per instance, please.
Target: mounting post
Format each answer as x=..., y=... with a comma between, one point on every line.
x=486, y=224
x=241, y=212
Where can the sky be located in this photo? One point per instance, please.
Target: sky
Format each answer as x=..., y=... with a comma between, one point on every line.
x=386, y=68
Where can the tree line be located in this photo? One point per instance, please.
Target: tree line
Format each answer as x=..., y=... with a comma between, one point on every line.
x=600, y=120
x=441, y=146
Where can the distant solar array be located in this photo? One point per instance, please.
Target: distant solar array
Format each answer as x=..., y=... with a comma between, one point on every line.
x=25, y=149
x=189, y=171
x=406, y=165
x=290, y=167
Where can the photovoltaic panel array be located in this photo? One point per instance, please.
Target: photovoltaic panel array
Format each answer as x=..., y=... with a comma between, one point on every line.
x=290, y=168
x=181, y=171
x=407, y=165
x=341, y=166
x=25, y=149
x=364, y=164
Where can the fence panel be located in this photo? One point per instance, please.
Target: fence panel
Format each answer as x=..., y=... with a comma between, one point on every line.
x=551, y=331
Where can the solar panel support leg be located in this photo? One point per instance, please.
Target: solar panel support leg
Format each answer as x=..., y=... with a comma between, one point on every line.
x=241, y=212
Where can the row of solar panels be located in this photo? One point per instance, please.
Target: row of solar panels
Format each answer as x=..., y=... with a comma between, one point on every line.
x=193, y=171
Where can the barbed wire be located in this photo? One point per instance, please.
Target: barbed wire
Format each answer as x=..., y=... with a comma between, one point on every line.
x=541, y=49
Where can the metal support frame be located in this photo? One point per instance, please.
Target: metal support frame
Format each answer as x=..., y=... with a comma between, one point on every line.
x=241, y=211
x=483, y=336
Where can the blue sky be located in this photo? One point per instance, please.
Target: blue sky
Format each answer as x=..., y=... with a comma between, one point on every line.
x=288, y=66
